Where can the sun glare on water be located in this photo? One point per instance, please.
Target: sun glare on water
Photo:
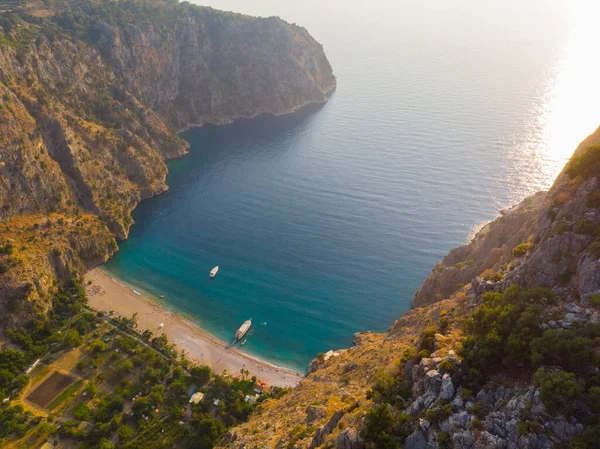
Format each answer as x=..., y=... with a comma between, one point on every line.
x=570, y=111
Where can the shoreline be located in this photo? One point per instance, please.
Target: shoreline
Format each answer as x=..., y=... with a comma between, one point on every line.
x=230, y=120
x=106, y=293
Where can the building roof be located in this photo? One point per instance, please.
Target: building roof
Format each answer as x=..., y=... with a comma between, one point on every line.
x=196, y=397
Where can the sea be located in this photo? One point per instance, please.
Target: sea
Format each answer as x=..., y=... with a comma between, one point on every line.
x=325, y=222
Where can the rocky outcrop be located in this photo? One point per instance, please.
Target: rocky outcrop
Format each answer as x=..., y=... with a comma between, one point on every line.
x=491, y=247
x=350, y=439
x=36, y=250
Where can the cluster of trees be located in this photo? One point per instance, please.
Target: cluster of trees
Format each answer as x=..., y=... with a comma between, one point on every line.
x=155, y=381
x=506, y=332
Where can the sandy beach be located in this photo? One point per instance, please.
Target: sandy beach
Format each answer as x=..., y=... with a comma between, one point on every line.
x=106, y=293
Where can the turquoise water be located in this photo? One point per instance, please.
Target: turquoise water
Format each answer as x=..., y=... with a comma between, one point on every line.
x=325, y=222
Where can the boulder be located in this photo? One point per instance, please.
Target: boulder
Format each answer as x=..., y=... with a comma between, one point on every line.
x=433, y=382
x=415, y=440
x=322, y=432
x=447, y=388
x=315, y=413
x=463, y=440
x=350, y=439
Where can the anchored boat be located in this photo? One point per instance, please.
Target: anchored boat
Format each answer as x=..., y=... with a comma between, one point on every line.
x=243, y=329
x=214, y=271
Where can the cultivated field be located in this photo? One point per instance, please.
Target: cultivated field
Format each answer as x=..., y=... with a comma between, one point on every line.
x=50, y=388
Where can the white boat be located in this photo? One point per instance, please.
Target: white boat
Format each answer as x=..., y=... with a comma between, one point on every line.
x=243, y=329
x=214, y=271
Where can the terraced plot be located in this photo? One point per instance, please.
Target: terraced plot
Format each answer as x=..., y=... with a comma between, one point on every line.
x=50, y=388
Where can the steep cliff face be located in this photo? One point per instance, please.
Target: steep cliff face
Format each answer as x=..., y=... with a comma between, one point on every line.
x=500, y=351
x=235, y=66
x=92, y=93
x=491, y=248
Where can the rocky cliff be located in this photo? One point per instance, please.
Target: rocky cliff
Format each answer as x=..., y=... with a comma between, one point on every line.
x=501, y=349
x=92, y=93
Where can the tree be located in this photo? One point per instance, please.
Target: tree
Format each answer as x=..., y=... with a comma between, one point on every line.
x=98, y=346
x=92, y=388
x=105, y=444
x=46, y=428
x=141, y=406
x=157, y=394
x=557, y=388
x=125, y=433
x=207, y=432
x=379, y=425
x=73, y=339
x=81, y=412
x=147, y=335
x=201, y=374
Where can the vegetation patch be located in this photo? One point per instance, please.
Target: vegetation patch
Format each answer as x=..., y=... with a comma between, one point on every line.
x=584, y=164
x=585, y=226
x=521, y=250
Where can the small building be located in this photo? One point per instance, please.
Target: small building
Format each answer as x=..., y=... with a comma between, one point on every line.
x=261, y=389
x=216, y=402
x=330, y=354
x=250, y=399
x=32, y=366
x=197, y=397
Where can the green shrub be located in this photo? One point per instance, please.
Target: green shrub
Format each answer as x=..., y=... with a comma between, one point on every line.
x=446, y=366
x=595, y=300
x=527, y=427
x=594, y=249
x=379, y=426
x=427, y=339
x=424, y=354
x=408, y=354
x=594, y=199
x=466, y=394
x=557, y=388
x=564, y=348
x=480, y=410
x=584, y=164
x=443, y=440
x=560, y=228
x=584, y=226
x=497, y=277
x=521, y=250
x=435, y=415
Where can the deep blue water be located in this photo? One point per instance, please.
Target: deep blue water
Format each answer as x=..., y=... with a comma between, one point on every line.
x=325, y=222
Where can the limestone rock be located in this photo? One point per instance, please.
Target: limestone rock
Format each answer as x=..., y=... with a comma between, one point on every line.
x=350, y=439
x=447, y=389
x=415, y=440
